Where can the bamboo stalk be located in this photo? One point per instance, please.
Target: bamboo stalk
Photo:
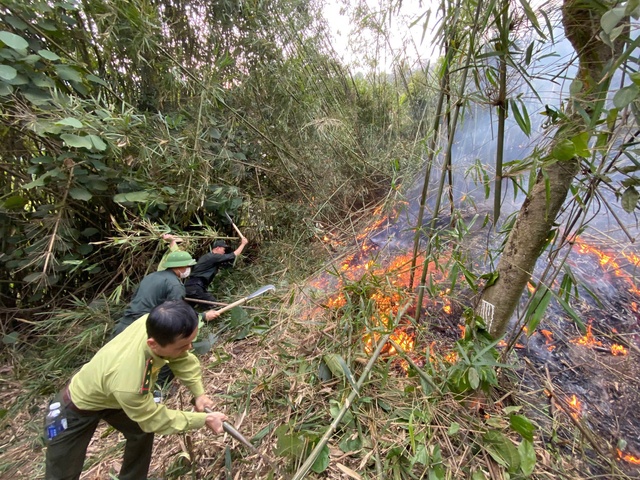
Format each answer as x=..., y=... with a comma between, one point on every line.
x=306, y=466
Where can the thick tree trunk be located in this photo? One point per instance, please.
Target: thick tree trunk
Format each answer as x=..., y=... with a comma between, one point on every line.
x=538, y=213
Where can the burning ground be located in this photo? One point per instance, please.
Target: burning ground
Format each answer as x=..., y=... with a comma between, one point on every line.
x=437, y=398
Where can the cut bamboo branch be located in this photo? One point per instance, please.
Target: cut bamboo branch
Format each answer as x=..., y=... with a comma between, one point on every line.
x=306, y=466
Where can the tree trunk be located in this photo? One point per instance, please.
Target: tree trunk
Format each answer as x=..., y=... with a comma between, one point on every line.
x=535, y=221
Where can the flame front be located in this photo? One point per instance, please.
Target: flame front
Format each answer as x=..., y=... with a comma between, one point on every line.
x=628, y=458
x=618, y=350
x=588, y=340
x=576, y=406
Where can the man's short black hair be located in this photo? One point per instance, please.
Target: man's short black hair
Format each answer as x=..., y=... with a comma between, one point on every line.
x=170, y=321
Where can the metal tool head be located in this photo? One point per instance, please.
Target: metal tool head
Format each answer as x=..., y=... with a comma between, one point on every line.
x=261, y=291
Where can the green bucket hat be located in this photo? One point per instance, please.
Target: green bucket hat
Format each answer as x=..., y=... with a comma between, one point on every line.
x=179, y=259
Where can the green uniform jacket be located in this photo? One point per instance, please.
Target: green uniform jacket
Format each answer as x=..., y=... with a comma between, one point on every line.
x=121, y=375
x=154, y=289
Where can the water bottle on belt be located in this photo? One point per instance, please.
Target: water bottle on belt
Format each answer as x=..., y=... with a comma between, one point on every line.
x=55, y=423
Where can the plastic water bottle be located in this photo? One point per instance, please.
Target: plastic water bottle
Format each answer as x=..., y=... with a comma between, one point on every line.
x=55, y=423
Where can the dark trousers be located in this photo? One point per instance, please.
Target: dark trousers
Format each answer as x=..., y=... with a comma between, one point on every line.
x=66, y=452
x=196, y=288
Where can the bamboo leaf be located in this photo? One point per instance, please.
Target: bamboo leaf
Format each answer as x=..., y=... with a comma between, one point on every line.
x=537, y=307
x=522, y=117
x=532, y=17
x=630, y=199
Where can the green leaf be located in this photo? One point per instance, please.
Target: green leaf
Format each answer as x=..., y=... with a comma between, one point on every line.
x=37, y=97
x=66, y=72
x=576, y=87
x=527, y=457
x=7, y=72
x=48, y=55
x=478, y=475
x=71, y=122
x=5, y=90
x=80, y=193
x=141, y=196
x=42, y=81
x=563, y=150
x=581, y=142
x=630, y=199
x=502, y=450
x=76, y=141
x=11, y=338
x=474, y=379
x=339, y=367
x=522, y=118
x=523, y=426
x=15, y=203
x=350, y=443
x=14, y=41
x=610, y=19
x=98, y=143
x=453, y=429
x=322, y=460
x=626, y=95
x=289, y=444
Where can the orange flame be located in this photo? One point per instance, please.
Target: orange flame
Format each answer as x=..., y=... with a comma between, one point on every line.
x=576, y=406
x=618, y=350
x=451, y=357
x=628, y=458
x=588, y=340
x=611, y=264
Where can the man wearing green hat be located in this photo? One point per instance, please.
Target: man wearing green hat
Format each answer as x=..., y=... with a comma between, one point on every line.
x=158, y=287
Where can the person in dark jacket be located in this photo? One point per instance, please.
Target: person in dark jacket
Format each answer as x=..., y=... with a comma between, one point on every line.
x=207, y=268
x=158, y=287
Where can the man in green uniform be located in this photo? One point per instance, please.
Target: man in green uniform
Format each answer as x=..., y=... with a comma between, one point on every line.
x=115, y=386
x=158, y=287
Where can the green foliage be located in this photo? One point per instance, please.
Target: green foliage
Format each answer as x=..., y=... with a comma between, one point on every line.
x=475, y=368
